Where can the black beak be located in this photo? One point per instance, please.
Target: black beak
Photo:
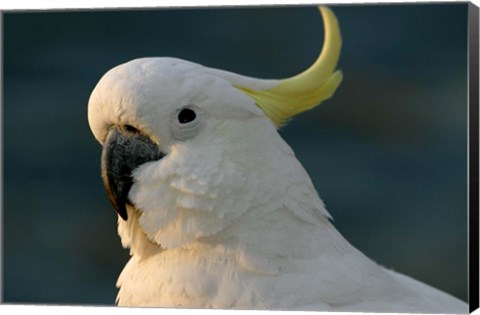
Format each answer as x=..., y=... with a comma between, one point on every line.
x=125, y=149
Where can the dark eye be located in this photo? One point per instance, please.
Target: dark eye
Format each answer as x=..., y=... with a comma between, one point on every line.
x=186, y=115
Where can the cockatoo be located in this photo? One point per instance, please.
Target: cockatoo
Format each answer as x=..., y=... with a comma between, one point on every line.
x=214, y=206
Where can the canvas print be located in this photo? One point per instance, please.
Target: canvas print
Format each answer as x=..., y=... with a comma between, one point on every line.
x=277, y=157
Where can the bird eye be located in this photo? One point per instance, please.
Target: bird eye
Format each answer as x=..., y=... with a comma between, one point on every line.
x=186, y=115
x=187, y=122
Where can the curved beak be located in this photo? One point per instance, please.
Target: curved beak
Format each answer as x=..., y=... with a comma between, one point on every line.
x=123, y=151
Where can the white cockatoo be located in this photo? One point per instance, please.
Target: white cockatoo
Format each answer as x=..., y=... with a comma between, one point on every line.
x=214, y=206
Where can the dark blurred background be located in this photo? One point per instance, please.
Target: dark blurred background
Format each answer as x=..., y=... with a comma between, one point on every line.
x=388, y=154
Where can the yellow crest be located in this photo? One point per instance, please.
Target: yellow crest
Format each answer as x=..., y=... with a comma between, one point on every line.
x=308, y=89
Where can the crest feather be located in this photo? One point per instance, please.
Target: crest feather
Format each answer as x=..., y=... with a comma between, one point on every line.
x=308, y=89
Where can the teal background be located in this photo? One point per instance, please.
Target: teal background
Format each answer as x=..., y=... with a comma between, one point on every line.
x=387, y=154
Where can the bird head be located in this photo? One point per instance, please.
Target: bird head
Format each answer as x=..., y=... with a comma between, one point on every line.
x=187, y=148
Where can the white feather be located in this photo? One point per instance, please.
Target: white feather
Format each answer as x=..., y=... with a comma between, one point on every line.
x=229, y=218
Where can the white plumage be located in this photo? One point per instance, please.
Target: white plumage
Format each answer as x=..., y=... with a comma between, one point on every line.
x=229, y=218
